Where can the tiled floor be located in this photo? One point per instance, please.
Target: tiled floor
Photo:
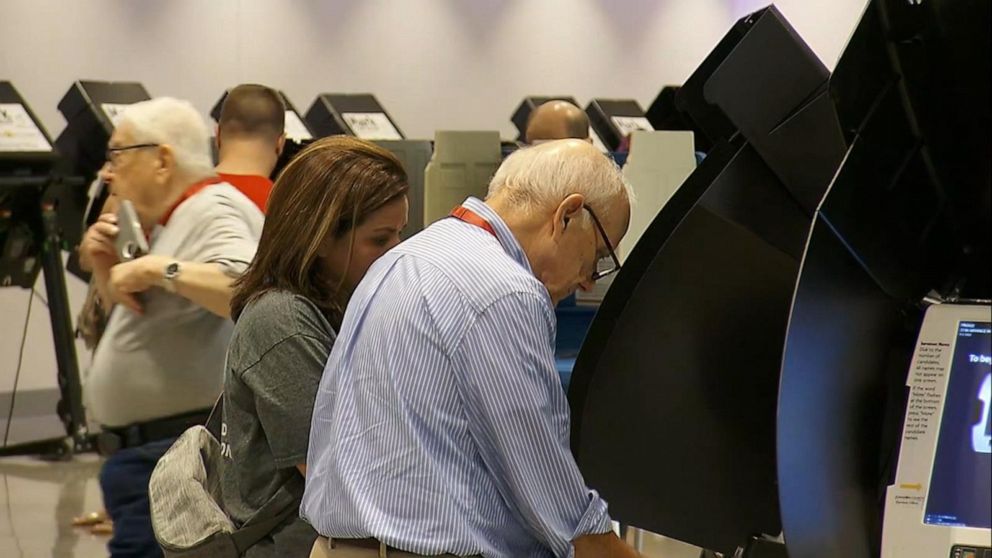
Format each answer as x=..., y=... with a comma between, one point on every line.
x=38, y=500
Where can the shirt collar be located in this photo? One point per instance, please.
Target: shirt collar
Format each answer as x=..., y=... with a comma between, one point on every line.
x=191, y=191
x=503, y=233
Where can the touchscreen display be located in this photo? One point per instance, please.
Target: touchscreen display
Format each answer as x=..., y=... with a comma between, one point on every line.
x=961, y=482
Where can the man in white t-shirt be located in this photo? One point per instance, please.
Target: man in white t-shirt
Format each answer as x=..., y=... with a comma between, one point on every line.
x=158, y=367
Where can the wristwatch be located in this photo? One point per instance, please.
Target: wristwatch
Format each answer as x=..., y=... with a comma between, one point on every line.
x=172, y=272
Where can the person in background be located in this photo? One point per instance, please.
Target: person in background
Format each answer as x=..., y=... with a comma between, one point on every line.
x=556, y=120
x=441, y=426
x=337, y=207
x=157, y=369
x=250, y=138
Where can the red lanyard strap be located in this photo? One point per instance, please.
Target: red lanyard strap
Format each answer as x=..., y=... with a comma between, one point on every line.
x=463, y=213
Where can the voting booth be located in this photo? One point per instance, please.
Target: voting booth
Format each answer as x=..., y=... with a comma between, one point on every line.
x=415, y=155
x=796, y=349
x=673, y=392
x=663, y=114
x=91, y=109
x=31, y=194
x=25, y=150
x=461, y=166
x=903, y=228
x=353, y=114
x=615, y=119
x=658, y=163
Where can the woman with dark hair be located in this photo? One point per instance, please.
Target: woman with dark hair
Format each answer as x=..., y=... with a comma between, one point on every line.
x=337, y=207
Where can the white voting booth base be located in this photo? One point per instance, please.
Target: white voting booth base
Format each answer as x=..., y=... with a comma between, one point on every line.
x=462, y=164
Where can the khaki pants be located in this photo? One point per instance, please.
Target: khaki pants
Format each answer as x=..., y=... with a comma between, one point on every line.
x=322, y=549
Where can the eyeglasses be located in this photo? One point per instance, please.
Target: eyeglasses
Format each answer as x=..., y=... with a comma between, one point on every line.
x=604, y=266
x=113, y=151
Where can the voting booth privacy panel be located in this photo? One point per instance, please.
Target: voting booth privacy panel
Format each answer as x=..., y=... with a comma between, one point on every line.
x=615, y=119
x=746, y=373
x=353, y=114
x=673, y=393
x=91, y=109
x=663, y=114
x=905, y=224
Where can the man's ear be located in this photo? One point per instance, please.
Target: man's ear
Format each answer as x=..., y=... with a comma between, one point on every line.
x=280, y=144
x=568, y=209
x=165, y=163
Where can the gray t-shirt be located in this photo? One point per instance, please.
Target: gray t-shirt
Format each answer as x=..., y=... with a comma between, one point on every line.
x=274, y=364
x=168, y=360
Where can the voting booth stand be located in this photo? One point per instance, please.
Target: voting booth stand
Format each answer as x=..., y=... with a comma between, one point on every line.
x=31, y=238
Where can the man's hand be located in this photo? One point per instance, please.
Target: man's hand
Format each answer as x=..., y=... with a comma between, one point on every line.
x=137, y=276
x=97, y=249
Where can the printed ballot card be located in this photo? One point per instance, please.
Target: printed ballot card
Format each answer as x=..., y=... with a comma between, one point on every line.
x=294, y=128
x=371, y=125
x=18, y=132
x=627, y=124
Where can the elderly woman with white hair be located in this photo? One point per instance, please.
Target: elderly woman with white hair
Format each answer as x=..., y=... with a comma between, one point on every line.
x=158, y=367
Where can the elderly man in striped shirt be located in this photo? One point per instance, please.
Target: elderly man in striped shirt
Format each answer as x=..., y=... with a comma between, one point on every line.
x=440, y=426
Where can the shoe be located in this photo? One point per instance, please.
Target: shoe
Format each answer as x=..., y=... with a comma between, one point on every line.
x=89, y=519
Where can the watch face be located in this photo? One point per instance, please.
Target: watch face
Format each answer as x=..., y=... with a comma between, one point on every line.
x=172, y=270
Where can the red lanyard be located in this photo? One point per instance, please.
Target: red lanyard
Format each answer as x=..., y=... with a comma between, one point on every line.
x=189, y=193
x=463, y=213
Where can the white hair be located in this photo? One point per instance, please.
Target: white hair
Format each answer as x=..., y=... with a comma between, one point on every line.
x=176, y=123
x=544, y=175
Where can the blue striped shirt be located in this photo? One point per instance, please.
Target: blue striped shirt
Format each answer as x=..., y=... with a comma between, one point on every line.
x=440, y=425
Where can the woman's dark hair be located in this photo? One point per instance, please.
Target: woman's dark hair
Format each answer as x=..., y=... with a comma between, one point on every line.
x=330, y=188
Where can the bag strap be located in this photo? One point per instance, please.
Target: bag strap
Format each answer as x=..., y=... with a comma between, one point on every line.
x=277, y=510
x=213, y=424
